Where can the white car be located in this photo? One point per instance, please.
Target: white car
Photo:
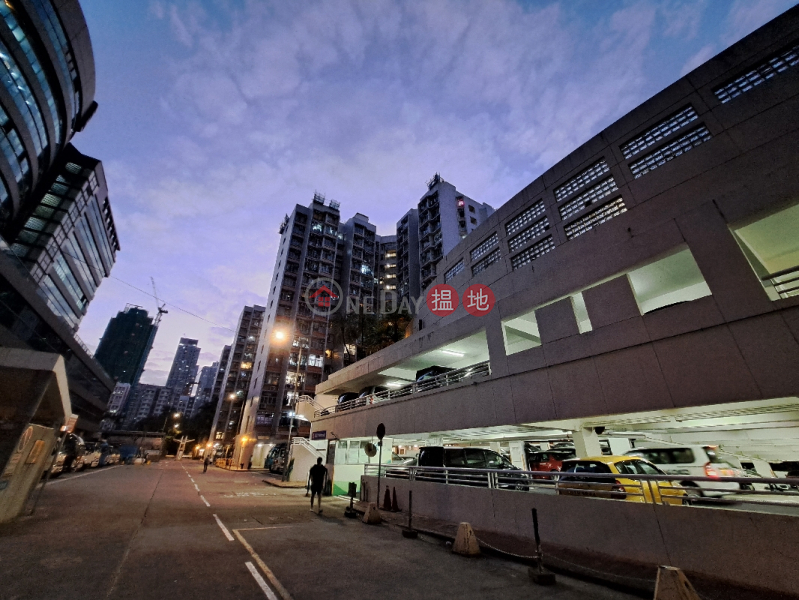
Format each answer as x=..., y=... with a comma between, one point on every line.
x=693, y=461
x=92, y=456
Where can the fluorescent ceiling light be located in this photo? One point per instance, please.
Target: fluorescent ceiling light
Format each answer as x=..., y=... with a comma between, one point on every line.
x=394, y=384
x=453, y=353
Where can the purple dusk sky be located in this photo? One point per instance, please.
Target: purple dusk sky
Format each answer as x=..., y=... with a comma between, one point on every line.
x=217, y=117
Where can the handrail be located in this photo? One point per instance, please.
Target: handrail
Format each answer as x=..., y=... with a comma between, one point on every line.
x=301, y=441
x=482, y=369
x=644, y=488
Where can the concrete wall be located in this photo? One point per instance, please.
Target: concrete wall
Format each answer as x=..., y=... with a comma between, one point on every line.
x=750, y=549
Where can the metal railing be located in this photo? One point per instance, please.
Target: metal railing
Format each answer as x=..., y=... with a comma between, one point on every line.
x=650, y=489
x=785, y=282
x=303, y=442
x=475, y=371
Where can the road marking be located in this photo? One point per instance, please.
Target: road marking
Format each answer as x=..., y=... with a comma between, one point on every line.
x=224, y=529
x=260, y=581
x=260, y=528
x=283, y=592
x=196, y=488
x=206, y=501
x=52, y=481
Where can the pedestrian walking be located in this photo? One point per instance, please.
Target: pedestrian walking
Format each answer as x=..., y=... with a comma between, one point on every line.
x=206, y=461
x=317, y=477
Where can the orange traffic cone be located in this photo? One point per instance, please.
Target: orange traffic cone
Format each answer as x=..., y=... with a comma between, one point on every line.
x=387, y=500
x=394, y=505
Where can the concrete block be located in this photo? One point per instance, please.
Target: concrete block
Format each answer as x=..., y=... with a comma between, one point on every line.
x=526, y=360
x=576, y=390
x=532, y=397
x=610, y=302
x=623, y=334
x=632, y=381
x=683, y=318
x=705, y=367
x=465, y=542
x=672, y=584
x=567, y=349
x=771, y=352
x=372, y=514
x=557, y=321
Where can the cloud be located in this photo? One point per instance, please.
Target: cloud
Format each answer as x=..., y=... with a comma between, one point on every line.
x=747, y=15
x=264, y=102
x=704, y=54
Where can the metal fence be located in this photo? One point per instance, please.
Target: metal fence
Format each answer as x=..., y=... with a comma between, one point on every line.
x=475, y=371
x=650, y=489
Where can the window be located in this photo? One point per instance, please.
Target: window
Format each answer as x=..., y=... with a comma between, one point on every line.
x=471, y=208
x=533, y=252
x=315, y=360
x=526, y=217
x=528, y=234
x=775, y=65
x=596, y=217
x=484, y=247
x=581, y=180
x=473, y=220
x=654, y=134
x=670, y=151
x=453, y=271
x=588, y=197
x=486, y=262
x=771, y=245
x=668, y=281
x=521, y=333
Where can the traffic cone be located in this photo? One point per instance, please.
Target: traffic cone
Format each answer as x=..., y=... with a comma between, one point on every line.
x=387, y=500
x=672, y=584
x=465, y=541
x=394, y=505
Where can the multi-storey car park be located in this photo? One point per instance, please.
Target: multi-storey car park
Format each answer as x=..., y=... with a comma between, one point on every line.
x=646, y=292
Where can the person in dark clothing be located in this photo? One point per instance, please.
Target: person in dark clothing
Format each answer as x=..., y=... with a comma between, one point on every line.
x=206, y=461
x=317, y=477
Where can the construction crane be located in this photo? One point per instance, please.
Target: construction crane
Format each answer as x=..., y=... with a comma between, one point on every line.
x=160, y=305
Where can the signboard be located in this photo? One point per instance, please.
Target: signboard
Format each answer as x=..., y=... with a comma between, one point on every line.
x=319, y=435
x=69, y=426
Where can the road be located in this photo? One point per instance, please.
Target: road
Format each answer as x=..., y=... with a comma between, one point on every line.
x=168, y=530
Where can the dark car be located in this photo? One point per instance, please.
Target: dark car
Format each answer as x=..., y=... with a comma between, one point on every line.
x=276, y=458
x=469, y=458
x=548, y=460
x=345, y=401
x=431, y=372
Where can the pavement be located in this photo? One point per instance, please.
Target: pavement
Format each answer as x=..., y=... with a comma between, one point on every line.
x=168, y=530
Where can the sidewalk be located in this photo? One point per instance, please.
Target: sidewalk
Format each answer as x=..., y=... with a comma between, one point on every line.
x=277, y=481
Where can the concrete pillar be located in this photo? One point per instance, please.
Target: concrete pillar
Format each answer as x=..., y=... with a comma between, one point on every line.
x=517, y=454
x=619, y=446
x=763, y=468
x=586, y=442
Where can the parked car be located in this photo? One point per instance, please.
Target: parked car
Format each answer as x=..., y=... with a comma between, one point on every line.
x=619, y=487
x=276, y=458
x=431, y=372
x=70, y=458
x=93, y=454
x=110, y=455
x=455, y=458
x=693, y=461
x=372, y=389
x=346, y=401
x=548, y=460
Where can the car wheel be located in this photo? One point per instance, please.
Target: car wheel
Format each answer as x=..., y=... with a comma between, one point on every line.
x=692, y=493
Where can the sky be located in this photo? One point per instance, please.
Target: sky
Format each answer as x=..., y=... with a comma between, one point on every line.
x=216, y=117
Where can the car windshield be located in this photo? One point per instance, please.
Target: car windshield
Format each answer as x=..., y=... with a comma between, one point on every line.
x=637, y=467
x=586, y=466
x=666, y=456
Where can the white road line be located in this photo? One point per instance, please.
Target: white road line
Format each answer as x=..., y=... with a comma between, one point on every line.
x=196, y=488
x=260, y=581
x=204, y=500
x=224, y=529
x=283, y=592
x=52, y=481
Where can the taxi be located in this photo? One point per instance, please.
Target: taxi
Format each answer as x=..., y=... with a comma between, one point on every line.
x=620, y=487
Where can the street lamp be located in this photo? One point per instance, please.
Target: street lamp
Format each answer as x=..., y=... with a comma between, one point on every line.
x=280, y=336
x=174, y=416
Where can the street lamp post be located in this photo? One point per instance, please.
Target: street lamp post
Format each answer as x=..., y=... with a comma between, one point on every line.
x=293, y=408
x=174, y=415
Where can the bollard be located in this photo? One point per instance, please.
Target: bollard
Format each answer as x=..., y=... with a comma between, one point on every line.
x=394, y=505
x=537, y=573
x=409, y=531
x=466, y=541
x=672, y=584
x=387, y=501
x=372, y=515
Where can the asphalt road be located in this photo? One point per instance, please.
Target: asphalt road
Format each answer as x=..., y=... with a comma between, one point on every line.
x=167, y=530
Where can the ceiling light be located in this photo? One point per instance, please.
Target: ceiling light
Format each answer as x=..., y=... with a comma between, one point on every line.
x=453, y=353
x=394, y=384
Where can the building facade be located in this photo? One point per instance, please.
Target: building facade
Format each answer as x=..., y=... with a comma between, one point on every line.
x=46, y=96
x=183, y=373
x=238, y=374
x=126, y=344
x=643, y=287
x=386, y=273
x=409, y=274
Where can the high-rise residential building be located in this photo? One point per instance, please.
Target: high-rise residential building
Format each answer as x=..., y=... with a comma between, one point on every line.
x=219, y=381
x=68, y=240
x=386, y=272
x=408, y=271
x=205, y=384
x=53, y=203
x=118, y=398
x=238, y=370
x=126, y=344
x=142, y=402
x=446, y=216
x=358, y=259
x=311, y=247
x=184, y=367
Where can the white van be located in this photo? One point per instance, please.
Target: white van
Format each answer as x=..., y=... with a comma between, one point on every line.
x=693, y=461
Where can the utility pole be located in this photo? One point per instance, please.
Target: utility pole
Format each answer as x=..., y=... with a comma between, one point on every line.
x=293, y=407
